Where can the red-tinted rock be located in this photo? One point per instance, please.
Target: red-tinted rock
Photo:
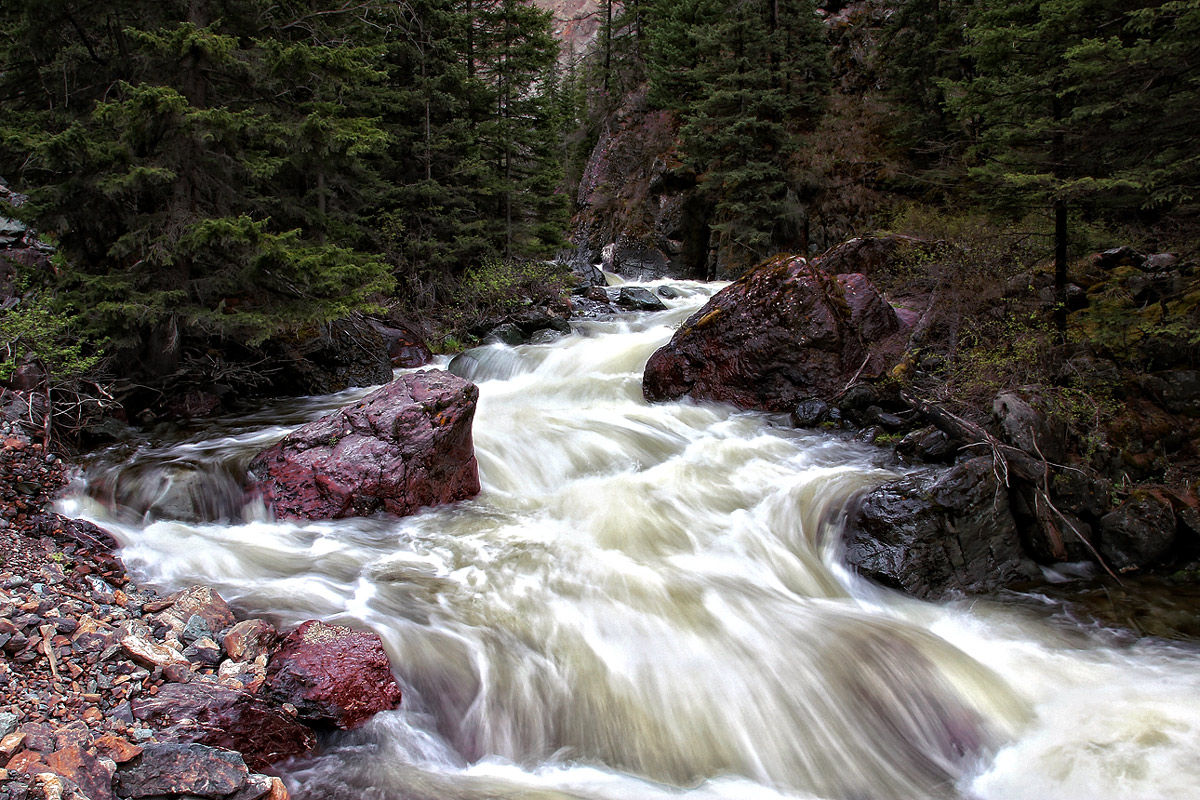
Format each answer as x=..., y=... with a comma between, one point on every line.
x=404, y=347
x=872, y=255
x=201, y=601
x=84, y=769
x=785, y=331
x=213, y=714
x=404, y=446
x=188, y=769
x=249, y=639
x=333, y=674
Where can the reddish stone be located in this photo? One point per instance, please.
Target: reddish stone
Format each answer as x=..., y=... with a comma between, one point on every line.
x=404, y=446
x=117, y=748
x=205, y=602
x=27, y=762
x=785, y=331
x=249, y=639
x=188, y=769
x=333, y=674
x=84, y=769
x=210, y=713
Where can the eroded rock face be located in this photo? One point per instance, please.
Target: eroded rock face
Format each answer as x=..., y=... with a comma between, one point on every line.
x=213, y=714
x=333, y=674
x=404, y=446
x=931, y=533
x=784, y=332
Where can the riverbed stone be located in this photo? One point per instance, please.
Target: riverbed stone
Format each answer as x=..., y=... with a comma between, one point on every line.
x=402, y=447
x=784, y=332
x=935, y=532
x=186, y=769
x=333, y=674
x=250, y=639
x=211, y=713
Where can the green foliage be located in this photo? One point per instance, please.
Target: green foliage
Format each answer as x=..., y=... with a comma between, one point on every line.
x=48, y=334
x=510, y=284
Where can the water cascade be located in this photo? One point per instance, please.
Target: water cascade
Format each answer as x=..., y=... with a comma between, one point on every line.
x=647, y=602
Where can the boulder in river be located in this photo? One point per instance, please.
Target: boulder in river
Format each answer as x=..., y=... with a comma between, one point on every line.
x=333, y=674
x=784, y=332
x=930, y=533
x=403, y=446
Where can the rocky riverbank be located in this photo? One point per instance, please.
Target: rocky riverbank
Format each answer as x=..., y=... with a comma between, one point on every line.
x=111, y=691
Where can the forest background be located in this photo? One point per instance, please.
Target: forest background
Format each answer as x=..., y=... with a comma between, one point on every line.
x=212, y=178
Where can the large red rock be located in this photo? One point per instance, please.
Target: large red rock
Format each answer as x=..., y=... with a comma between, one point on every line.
x=212, y=714
x=785, y=331
x=403, y=446
x=333, y=674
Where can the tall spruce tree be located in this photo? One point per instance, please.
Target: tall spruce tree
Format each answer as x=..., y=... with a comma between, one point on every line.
x=1023, y=104
x=195, y=162
x=747, y=77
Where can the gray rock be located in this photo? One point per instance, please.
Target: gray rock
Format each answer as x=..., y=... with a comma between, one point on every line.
x=810, y=412
x=192, y=769
x=196, y=628
x=1138, y=533
x=639, y=299
x=935, y=532
x=1025, y=425
x=8, y=723
x=929, y=446
x=508, y=334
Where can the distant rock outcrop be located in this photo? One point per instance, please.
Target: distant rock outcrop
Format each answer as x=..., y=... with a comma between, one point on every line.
x=404, y=446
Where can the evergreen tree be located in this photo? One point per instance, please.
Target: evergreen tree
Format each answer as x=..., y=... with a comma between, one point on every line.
x=1023, y=106
x=195, y=162
x=515, y=55
x=747, y=76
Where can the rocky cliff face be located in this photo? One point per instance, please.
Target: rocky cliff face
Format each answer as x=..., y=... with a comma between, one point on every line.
x=576, y=24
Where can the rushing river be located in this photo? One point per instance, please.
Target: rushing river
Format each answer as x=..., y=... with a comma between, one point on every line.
x=647, y=602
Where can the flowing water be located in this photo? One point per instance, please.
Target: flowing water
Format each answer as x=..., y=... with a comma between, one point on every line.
x=647, y=602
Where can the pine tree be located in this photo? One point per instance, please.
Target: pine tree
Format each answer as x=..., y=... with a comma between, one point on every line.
x=747, y=76
x=197, y=166
x=1023, y=105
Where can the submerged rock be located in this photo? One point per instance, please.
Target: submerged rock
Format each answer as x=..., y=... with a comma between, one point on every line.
x=333, y=674
x=784, y=332
x=934, y=532
x=404, y=446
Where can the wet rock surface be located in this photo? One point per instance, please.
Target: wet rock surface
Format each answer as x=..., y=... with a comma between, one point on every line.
x=786, y=331
x=333, y=674
x=932, y=533
x=404, y=446
x=108, y=690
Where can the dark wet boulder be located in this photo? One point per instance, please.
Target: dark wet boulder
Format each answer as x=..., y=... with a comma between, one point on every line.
x=333, y=674
x=405, y=348
x=508, y=334
x=182, y=769
x=637, y=298
x=402, y=447
x=810, y=412
x=929, y=446
x=934, y=532
x=1025, y=423
x=342, y=354
x=783, y=332
x=212, y=713
x=1138, y=533
x=873, y=255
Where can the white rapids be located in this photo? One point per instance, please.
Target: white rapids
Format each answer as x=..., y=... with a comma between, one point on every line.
x=646, y=601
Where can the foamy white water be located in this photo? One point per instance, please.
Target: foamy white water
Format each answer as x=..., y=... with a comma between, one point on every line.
x=646, y=602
